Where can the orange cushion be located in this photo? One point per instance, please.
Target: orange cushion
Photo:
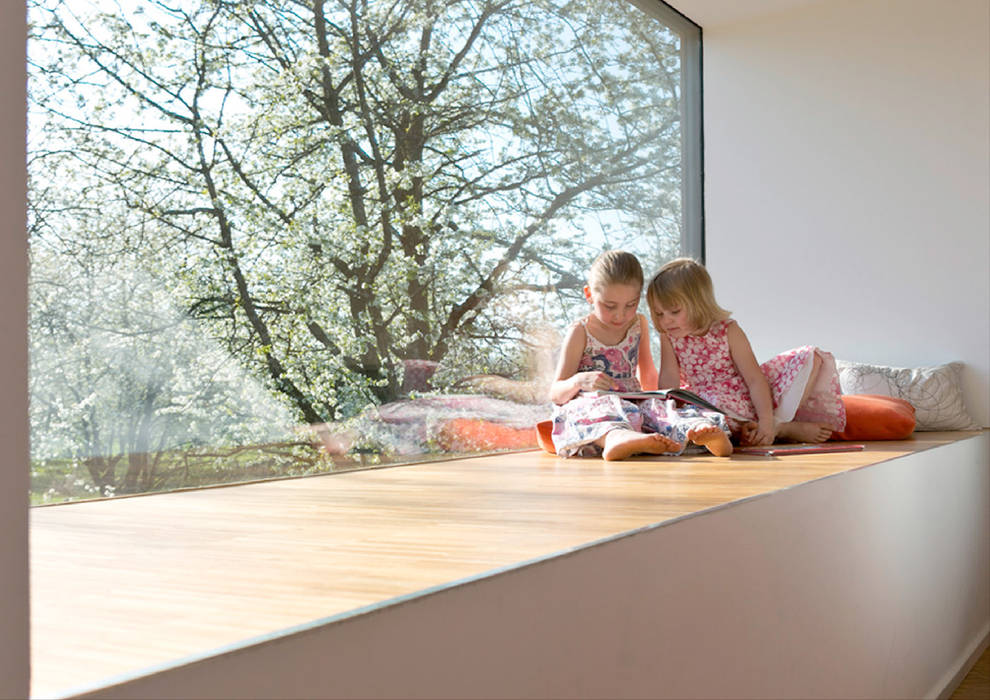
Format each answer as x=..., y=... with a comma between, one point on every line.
x=476, y=435
x=544, y=429
x=874, y=417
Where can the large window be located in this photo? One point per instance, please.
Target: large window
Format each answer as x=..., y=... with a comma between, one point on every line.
x=278, y=238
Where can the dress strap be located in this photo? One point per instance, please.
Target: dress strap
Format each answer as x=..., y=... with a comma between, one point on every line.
x=592, y=341
x=720, y=328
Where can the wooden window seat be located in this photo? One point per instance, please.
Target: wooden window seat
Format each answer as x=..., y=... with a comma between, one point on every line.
x=524, y=559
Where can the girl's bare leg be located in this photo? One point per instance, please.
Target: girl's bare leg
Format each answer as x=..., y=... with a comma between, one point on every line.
x=712, y=438
x=802, y=431
x=816, y=368
x=622, y=442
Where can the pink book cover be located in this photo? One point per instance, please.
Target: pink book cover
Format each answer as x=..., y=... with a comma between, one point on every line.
x=778, y=450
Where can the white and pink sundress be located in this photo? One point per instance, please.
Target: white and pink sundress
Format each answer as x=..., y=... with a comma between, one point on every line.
x=706, y=368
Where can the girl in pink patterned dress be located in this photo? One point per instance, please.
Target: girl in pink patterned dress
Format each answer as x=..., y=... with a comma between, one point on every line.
x=610, y=350
x=794, y=396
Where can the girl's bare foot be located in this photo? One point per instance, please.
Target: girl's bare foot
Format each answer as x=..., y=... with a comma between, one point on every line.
x=712, y=439
x=622, y=443
x=801, y=431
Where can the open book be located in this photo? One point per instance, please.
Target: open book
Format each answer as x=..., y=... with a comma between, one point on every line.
x=682, y=395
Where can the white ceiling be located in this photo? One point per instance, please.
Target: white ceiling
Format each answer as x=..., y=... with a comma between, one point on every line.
x=709, y=13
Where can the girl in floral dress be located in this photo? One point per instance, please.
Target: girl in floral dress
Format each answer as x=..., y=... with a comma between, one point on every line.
x=794, y=396
x=609, y=350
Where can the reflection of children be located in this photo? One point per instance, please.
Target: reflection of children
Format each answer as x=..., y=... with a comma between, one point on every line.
x=794, y=396
x=609, y=349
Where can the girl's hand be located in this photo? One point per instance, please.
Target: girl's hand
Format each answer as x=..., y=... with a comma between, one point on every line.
x=757, y=434
x=756, y=382
x=764, y=433
x=593, y=381
x=568, y=382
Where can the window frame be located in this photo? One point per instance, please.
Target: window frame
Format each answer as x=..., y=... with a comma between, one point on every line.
x=14, y=563
x=692, y=124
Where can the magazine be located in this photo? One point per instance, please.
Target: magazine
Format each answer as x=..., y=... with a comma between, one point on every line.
x=800, y=449
x=682, y=395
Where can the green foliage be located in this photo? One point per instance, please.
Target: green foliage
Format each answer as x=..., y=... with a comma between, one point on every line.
x=325, y=190
x=119, y=376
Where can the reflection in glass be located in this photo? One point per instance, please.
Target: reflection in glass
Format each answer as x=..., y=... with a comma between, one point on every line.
x=279, y=238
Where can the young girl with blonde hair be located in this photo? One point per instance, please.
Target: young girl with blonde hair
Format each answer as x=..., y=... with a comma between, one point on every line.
x=793, y=396
x=609, y=350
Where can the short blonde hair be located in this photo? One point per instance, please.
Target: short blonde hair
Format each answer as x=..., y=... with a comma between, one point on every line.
x=686, y=283
x=615, y=267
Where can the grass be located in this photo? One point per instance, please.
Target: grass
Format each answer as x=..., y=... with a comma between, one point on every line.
x=65, y=480
x=62, y=480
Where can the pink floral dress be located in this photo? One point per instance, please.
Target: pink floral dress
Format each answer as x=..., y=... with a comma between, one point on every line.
x=706, y=368
x=584, y=419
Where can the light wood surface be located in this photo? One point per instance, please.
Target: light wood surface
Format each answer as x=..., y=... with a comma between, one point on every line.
x=976, y=684
x=121, y=585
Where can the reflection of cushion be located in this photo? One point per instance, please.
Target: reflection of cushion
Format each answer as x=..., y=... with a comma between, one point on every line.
x=544, y=430
x=872, y=417
x=935, y=392
x=475, y=435
x=416, y=375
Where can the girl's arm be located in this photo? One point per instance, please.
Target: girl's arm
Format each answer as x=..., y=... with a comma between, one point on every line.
x=759, y=388
x=568, y=382
x=670, y=370
x=646, y=371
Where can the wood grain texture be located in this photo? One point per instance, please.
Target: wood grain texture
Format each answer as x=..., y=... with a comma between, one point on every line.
x=976, y=684
x=120, y=585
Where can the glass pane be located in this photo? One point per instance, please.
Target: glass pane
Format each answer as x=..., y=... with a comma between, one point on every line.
x=283, y=238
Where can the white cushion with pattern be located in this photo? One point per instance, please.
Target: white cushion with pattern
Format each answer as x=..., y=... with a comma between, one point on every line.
x=935, y=392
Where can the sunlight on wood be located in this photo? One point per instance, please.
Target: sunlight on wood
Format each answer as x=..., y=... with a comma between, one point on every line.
x=121, y=585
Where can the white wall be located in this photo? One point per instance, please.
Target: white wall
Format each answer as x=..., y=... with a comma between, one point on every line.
x=847, y=160
x=13, y=361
